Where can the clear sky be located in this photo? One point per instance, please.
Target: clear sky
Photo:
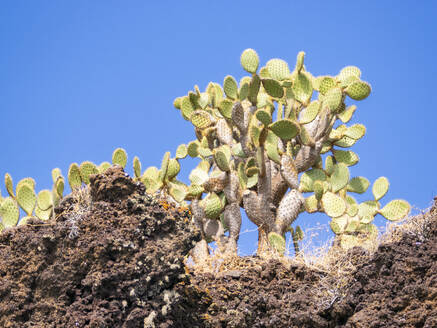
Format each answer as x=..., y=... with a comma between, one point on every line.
x=81, y=78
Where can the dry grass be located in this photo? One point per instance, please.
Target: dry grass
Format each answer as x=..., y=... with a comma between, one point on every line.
x=335, y=265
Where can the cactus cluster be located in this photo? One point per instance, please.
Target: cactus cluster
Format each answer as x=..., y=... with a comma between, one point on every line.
x=41, y=205
x=264, y=144
x=274, y=144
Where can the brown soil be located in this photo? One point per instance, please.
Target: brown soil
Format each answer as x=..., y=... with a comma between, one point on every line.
x=114, y=257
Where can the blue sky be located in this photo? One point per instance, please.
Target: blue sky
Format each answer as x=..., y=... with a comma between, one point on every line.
x=81, y=78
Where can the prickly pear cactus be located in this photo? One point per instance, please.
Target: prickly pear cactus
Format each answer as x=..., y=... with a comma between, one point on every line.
x=275, y=144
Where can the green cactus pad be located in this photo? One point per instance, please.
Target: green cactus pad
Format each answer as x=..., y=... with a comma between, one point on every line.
x=204, y=165
x=333, y=205
x=310, y=112
x=221, y=160
x=264, y=116
x=254, y=88
x=103, y=167
x=59, y=188
x=333, y=99
x=338, y=225
x=277, y=242
x=264, y=73
x=152, y=185
x=311, y=204
x=244, y=91
x=367, y=209
x=346, y=115
x=213, y=206
x=205, y=152
x=178, y=193
x=177, y=102
x=164, y=166
x=9, y=212
x=26, y=198
x=395, y=210
x=74, y=178
x=194, y=191
x=43, y=215
x=201, y=119
x=225, y=108
x=358, y=90
x=137, y=167
x=119, y=157
x=347, y=157
x=356, y=131
x=181, y=151
x=302, y=88
x=186, y=108
x=380, y=187
x=352, y=209
x=44, y=200
x=345, y=142
x=329, y=165
x=318, y=189
x=173, y=168
x=298, y=233
x=26, y=181
x=358, y=185
x=249, y=60
x=203, y=100
x=285, y=129
x=309, y=177
x=56, y=172
x=198, y=176
x=273, y=88
x=230, y=87
x=326, y=83
x=193, y=148
x=86, y=169
x=348, y=71
x=339, y=177
x=299, y=61
x=278, y=69
x=271, y=146
x=305, y=137
x=9, y=185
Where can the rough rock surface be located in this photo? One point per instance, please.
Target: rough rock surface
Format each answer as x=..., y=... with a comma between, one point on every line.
x=113, y=261
x=113, y=257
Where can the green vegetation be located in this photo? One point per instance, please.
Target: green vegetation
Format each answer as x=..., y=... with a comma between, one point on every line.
x=272, y=144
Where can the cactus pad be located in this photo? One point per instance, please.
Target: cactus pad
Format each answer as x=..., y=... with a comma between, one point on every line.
x=333, y=205
x=285, y=129
x=347, y=157
x=119, y=157
x=302, y=88
x=86, y=169
x=339, y=177
x=9, y=212
x=332, y=100
x=273, y=88
x=164, y=166
x=309, y=177
x=26, y=198
x=74, y=178
x=213, y=206
x=356, y=131
x=230, y=87
x=44, y=200
x=43, y=215
x=173, y=168
x=9, y=185
x=358, y=90
x=346, y=115
x=358, y=185
x=201, y=119
x=395, y=210
x=380, y=187
x=264, y=116
x=137, y=167
x=277, y=242
x=249, y=60
x=278, y=69
x=181, y=151
x=310, y=112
